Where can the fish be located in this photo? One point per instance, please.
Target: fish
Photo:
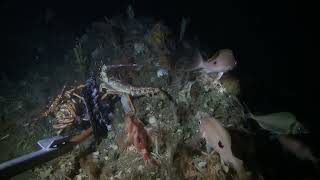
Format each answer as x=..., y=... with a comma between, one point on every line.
x=279, y=123
x=218, y=138
x=191, y=59
x=137, y=135
x=298, y=148
x=222, y=61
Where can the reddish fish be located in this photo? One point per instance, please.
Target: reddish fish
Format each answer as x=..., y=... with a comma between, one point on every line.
x=138, y=136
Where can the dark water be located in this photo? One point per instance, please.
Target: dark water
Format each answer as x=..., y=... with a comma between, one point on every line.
x=273, y=41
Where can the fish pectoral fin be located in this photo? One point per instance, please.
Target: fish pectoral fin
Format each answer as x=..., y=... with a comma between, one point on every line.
x=224, y=166
x=210, y=149
x=220, y=74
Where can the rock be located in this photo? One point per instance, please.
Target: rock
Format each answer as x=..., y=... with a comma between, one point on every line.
x=78, y=177
x=106, y=158
x=140, y=168
x=111, y=135
x=148, y=108
x=202, y=164
x=152, y=120
x=138, y=48
x=129, y=170
x=95, y=153
x=114, y=147
x=162, y=72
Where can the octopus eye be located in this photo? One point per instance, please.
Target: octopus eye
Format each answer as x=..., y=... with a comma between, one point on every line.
x=214, y=62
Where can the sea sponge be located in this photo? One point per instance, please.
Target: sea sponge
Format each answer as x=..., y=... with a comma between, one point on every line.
x=231, y=84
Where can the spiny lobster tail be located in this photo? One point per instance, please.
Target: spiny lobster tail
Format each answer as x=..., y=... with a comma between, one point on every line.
x=54, y=105
x=238, y=166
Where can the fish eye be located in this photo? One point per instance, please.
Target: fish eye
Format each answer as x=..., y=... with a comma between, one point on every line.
x=220, y=144
x=199, y=122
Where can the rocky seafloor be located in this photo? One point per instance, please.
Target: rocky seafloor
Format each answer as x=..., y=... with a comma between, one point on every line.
x=177, y=148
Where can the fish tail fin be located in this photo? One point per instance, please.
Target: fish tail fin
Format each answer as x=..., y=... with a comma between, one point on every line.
x=238, y=166
x=274, y=137
x=316, y=164
x=315, y=160
x=197, y=59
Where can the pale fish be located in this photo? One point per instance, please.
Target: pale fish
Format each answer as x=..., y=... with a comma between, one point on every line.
x=221, y=62
x=298, y=148
x=189, y=58
x=218, y=138
x=279, y=123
